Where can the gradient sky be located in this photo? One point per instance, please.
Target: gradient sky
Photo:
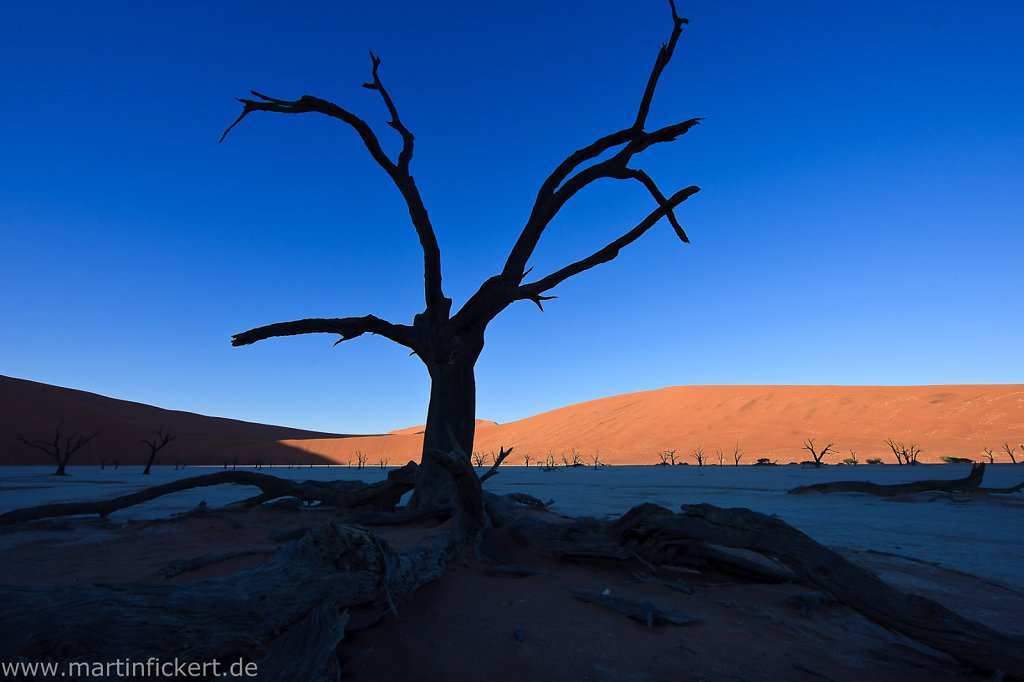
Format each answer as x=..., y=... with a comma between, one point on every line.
x=860, y=219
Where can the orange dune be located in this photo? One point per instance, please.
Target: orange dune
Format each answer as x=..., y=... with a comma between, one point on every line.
x=35, y=411
x=764, y=421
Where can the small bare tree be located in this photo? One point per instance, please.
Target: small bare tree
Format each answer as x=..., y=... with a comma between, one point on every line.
x=818, y=456
x=360, y=459
x=479, y=459
x=990, y=455
x=904, y=454
x=60, y=450
x=526, y=458
x=698, y=454
x=383, y=463
x=852, y=459
x=577, y=457
x=549, y=462
x=721, y=456
x=1010, y=451
x=597, y=459
x=163, y=437
x=737, y=454
x=667, y=457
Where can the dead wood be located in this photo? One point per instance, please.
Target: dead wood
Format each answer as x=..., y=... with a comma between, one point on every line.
x=970, y=482
x=917, y=617
x=341, y=494
x=179, y=566
x=657, y=538
x=287, y=614
x=645, y=612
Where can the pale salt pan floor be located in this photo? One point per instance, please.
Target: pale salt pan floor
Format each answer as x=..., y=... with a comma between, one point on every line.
x=976, y=535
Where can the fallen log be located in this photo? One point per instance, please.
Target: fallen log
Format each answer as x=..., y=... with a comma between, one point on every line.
x=383, y=495
x=646, y=612
x=287, y=615
x=968, y=483
x=916, y=617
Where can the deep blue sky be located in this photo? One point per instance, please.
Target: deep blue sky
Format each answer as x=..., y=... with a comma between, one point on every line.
x=861, y=165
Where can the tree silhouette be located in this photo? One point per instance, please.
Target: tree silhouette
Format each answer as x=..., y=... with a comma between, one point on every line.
x=60, y=450
x=449, y=344
x=163, y=437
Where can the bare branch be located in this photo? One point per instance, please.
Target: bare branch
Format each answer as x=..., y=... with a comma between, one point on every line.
x=405, y=156
x=664, y=56
x=609, y=252
x=551, y=196
x=493, y=471
x=347, y=327
x=436, y=302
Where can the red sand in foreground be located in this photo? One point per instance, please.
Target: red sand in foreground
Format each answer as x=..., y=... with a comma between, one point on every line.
x=764, y=421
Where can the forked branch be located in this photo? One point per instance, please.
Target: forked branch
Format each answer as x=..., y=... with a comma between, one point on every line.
x=436, y=302
x=563, y=184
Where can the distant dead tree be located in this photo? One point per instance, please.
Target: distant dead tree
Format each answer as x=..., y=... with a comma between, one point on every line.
x=576, y=456
x=597, y=459
x=526, y=458
x=1010, y=451
x=699, y=456
x=163, y=437
x=737, y=454
x=60, y=450
x=449, y=344
x=479, y=459
x=721, y=456
x=383, y=462
x=667, y=457
x=852, y=459
x=818, y=456
x=990, y=454
x=904, y=454
x=361, y=458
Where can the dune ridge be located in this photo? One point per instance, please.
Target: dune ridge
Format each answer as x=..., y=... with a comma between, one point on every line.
x=764, y=421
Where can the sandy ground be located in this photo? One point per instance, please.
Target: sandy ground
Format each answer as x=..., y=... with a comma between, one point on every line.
x=471, y=625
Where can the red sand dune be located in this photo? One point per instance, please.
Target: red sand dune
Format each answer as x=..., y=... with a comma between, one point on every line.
x=35, y=410
x=765, y=421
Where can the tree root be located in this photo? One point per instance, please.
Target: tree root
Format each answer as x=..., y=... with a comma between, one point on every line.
x=287, y=614
x=342, y=494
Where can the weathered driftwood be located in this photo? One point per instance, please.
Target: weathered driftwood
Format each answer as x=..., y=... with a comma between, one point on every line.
x=656, y=537
x=341, y=494
x=970, y=482
x=917, y=617
x=640, y=610
x=287, y=614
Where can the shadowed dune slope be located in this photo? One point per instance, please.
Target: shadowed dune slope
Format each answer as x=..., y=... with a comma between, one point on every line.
x=35, y=411
x=764, y=421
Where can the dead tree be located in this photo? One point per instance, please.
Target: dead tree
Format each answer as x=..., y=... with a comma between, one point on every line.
x=904, y=454
x=162, y=438
x=818, y=456
x=699, y=456
x=60, y=450
x=448, y=343
x=1010, y=451
x=990, y=455
x=737, y=454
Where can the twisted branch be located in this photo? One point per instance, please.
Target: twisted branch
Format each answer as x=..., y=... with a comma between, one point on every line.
x=437, y=304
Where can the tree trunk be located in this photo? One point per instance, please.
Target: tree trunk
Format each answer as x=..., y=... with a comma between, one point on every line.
x=451, y=424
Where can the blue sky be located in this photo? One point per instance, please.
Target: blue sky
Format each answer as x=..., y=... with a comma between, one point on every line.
x=859, y=220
